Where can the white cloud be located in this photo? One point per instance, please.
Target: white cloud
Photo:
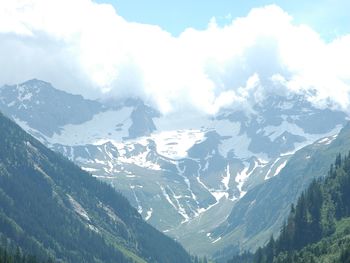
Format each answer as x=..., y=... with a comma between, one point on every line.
x=87, y=48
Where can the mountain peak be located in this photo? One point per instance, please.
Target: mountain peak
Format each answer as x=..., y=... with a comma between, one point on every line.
x=36, y=82
x=42, y=107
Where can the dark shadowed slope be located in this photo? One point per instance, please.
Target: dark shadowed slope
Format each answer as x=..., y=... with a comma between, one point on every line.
x=51, y=208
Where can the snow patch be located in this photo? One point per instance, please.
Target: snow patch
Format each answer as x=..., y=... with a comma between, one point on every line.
x=327, y=140
x=280, y=167
x=216, y=240
x=243, y=176
x=240, y=179
x=267, y=176
x=226, y=179
x=140, y=160
x=89, y=169
x=139, y=206
x=78, y=208
x=101, y=126
x=149, y=214
x=178, y=208
x=175, y=144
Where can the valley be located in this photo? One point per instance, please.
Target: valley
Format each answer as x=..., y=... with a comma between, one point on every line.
x=186, y=175
x=174, y=131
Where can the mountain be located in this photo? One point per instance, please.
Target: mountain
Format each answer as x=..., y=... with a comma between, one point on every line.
x=51, y=208
x=36, y=102
x=185, y=173
x=255, y=217
x=318, y=226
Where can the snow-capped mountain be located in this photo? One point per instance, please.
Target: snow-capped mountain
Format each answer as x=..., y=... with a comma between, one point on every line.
x=44, y=108
x=183, y=172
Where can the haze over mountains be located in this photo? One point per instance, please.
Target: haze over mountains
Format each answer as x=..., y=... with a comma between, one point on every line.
x=102, y=54
x=184, y=173
x=124, y=140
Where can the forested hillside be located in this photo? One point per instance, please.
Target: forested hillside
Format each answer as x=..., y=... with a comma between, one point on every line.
x=50, y=208
x=318, y=226
x=16, y=256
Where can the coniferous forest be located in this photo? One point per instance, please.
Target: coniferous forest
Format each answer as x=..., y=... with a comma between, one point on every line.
x=38, y=181
x=50, y=208
x=17, y=256
x=174, y=131
x=318, y=226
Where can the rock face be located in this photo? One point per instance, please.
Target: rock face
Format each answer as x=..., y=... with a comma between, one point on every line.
x=184, y=173
x=142, y=120
x=44, y=108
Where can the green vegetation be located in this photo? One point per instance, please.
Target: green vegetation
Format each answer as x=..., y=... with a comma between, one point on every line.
x=16, y=256
x=50, y=208
x=318, y=227
x=263, y=210
x=196, y=259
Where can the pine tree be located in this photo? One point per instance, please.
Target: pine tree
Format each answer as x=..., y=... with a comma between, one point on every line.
x=270, y=250
x=338, y=161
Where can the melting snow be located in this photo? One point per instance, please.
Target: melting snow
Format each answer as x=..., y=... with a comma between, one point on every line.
x=11, y=103
x=216, y=240
x=327, y=140
x=101, y=126
x=104, y=177
x=89, y=169
x=226, y=179
x=275, y=131
x=26, y=96
x=149, y=214
x=218, y=194
x=267, y=176
x=140, y=160
x=179, y=208
x=187, y=182
x=139, y=207
x=277, y=170
x=280, y=167
x=78, y=208
x=175, y=144
x=243, y=176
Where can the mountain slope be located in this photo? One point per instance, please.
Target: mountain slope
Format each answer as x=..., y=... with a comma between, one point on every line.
x=16, y=256
x=36, y=102
x=50, y=207
x=262, y=211
x=184, y=172
x=318, y=226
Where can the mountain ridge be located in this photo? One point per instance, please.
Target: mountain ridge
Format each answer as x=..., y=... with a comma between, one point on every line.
x=180, y=170
x=80, y=218
x=318, y=225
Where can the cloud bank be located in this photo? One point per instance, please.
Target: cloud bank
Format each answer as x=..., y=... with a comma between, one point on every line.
x=87, y=48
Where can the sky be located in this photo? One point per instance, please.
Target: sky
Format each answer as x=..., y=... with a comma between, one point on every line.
x=181, y=55
x=330, y=18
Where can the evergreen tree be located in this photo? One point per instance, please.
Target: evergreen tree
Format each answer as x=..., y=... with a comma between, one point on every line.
x=309, y=232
